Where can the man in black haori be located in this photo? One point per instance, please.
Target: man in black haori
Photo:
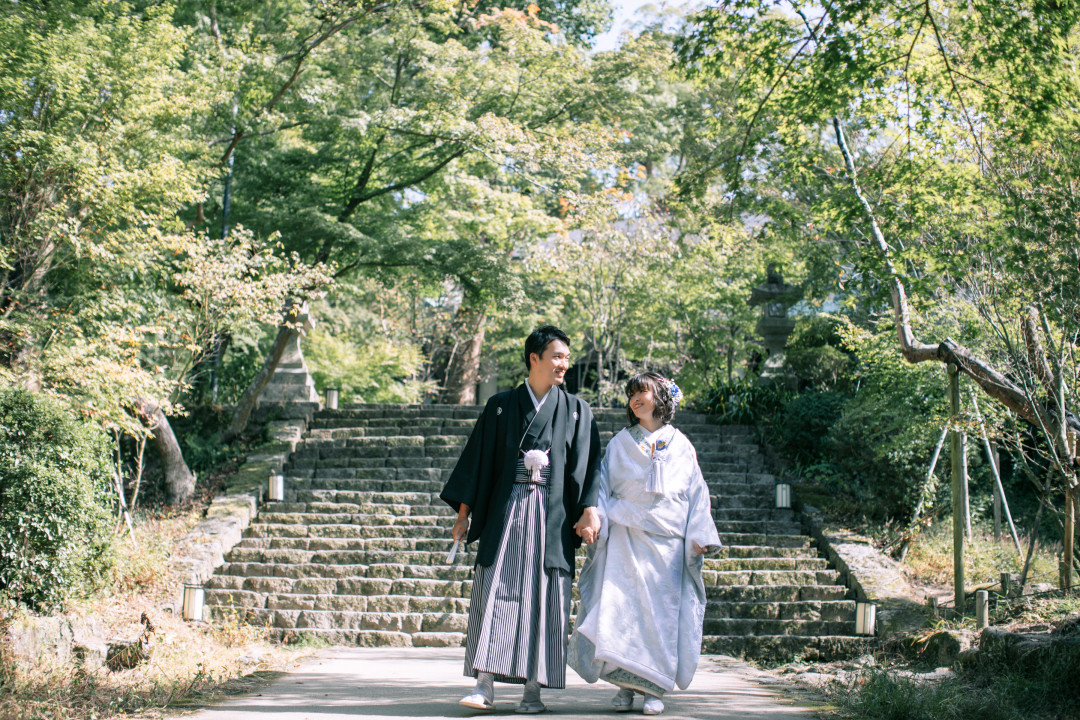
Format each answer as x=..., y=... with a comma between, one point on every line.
x=527, y=477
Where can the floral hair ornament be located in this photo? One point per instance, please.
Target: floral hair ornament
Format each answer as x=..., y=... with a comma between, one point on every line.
x=676, y=393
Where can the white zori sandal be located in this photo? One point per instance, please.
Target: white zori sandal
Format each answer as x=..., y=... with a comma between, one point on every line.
x=653, y=705
x=483, y=695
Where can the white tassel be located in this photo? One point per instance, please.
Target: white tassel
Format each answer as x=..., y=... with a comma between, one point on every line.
x=535, y=461
x=655, y=482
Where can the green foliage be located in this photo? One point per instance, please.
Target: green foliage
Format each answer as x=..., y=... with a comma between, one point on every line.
x=745, y=403
x=54, y=475
x=815, y=355
x=884, y=695
x=371, y=370
x=806, y=420
x=882, y=443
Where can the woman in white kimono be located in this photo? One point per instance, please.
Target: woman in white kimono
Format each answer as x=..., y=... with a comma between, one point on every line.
x=642, y=596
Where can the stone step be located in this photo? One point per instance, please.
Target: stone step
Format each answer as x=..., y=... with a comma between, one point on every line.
x=362, y=497
x=295, y=467
x=759, y=539
x=775, y=593
x=438, y=542
x=371, y=586
x=753, y=514
x=731, y=551
x=436, y=528
x=297, y=562
x=364, y=501
x=770, y=577
x=334, y=571
x=356, y=553
x=371, y=638
x=367, y=472
x=366, y=484
x=813, y=610
x=439, y=446
x=382, y=479
x=348, y=620
x=348, y=557
x=376, y=515
x=434, y=543
x=352, y=603
x=758, y=527
x=755, y=626
x=786, y=648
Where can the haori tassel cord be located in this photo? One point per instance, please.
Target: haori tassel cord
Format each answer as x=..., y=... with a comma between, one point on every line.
x=535, y=461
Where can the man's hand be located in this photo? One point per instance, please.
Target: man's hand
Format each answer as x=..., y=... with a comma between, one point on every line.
x=460, y=529
x=588, y=527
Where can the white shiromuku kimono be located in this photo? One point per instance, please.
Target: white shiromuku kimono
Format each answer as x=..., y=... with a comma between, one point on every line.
x=642, y=597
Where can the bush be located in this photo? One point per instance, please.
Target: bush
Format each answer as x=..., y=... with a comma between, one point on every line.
x=745, y=403
x=816, y=355
x=806, y=422
x=883, y=441
x=54, y=480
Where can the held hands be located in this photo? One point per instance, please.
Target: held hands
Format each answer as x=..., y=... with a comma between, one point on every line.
x=460, y=529
x=588, y=527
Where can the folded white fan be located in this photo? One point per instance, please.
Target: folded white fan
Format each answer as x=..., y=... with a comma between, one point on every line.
x=453, y=553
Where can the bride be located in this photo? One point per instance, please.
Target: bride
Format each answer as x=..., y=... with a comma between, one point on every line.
x=642, y=596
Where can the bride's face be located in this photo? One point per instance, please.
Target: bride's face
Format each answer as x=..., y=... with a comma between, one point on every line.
x=643, y=404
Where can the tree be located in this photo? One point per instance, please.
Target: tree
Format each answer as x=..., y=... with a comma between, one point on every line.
x=947, y=102
x=107, y=299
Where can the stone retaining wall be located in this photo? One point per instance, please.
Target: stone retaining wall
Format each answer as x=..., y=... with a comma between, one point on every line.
x=869, y=573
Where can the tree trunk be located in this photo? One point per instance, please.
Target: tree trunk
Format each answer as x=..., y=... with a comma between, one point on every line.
x=463, y=371
x=247, y=401
x=179, y=480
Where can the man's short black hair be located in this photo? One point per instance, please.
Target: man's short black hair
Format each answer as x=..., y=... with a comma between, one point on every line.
x=539, y=339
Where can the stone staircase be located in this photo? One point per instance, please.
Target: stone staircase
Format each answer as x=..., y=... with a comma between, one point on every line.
x=356, y=553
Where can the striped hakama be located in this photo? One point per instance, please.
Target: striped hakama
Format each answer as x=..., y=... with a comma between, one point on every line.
x=519, y=612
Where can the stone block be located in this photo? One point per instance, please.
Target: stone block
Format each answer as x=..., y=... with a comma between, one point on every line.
x=943, y=647
x=435, y=639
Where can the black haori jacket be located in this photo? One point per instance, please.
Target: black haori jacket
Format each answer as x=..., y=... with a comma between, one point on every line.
x=484, y=475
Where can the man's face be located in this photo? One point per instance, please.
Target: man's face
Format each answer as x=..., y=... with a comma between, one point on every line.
x=551, y=366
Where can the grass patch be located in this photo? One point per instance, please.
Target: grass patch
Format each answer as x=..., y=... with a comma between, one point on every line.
x=190, y=662
x=881, y=694
x=930, y=558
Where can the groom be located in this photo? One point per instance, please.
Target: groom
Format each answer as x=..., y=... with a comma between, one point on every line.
x=526, y=476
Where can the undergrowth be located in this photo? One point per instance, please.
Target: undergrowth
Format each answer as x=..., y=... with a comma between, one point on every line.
x=930, y=559
x=189, y=662
x=882, y=694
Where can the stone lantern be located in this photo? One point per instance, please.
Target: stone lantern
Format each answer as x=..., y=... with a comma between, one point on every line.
x=774, y=325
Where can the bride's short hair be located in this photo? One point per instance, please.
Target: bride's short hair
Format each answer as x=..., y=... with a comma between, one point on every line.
x=664, y=410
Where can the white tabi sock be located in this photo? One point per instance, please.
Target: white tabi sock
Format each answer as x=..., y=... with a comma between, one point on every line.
x=532, y=692
x=485, y=685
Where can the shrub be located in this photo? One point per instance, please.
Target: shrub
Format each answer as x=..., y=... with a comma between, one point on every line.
x=806, y=422
x=745, y=403
x=54, y=479
x=816, y=355
x=883, y=441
